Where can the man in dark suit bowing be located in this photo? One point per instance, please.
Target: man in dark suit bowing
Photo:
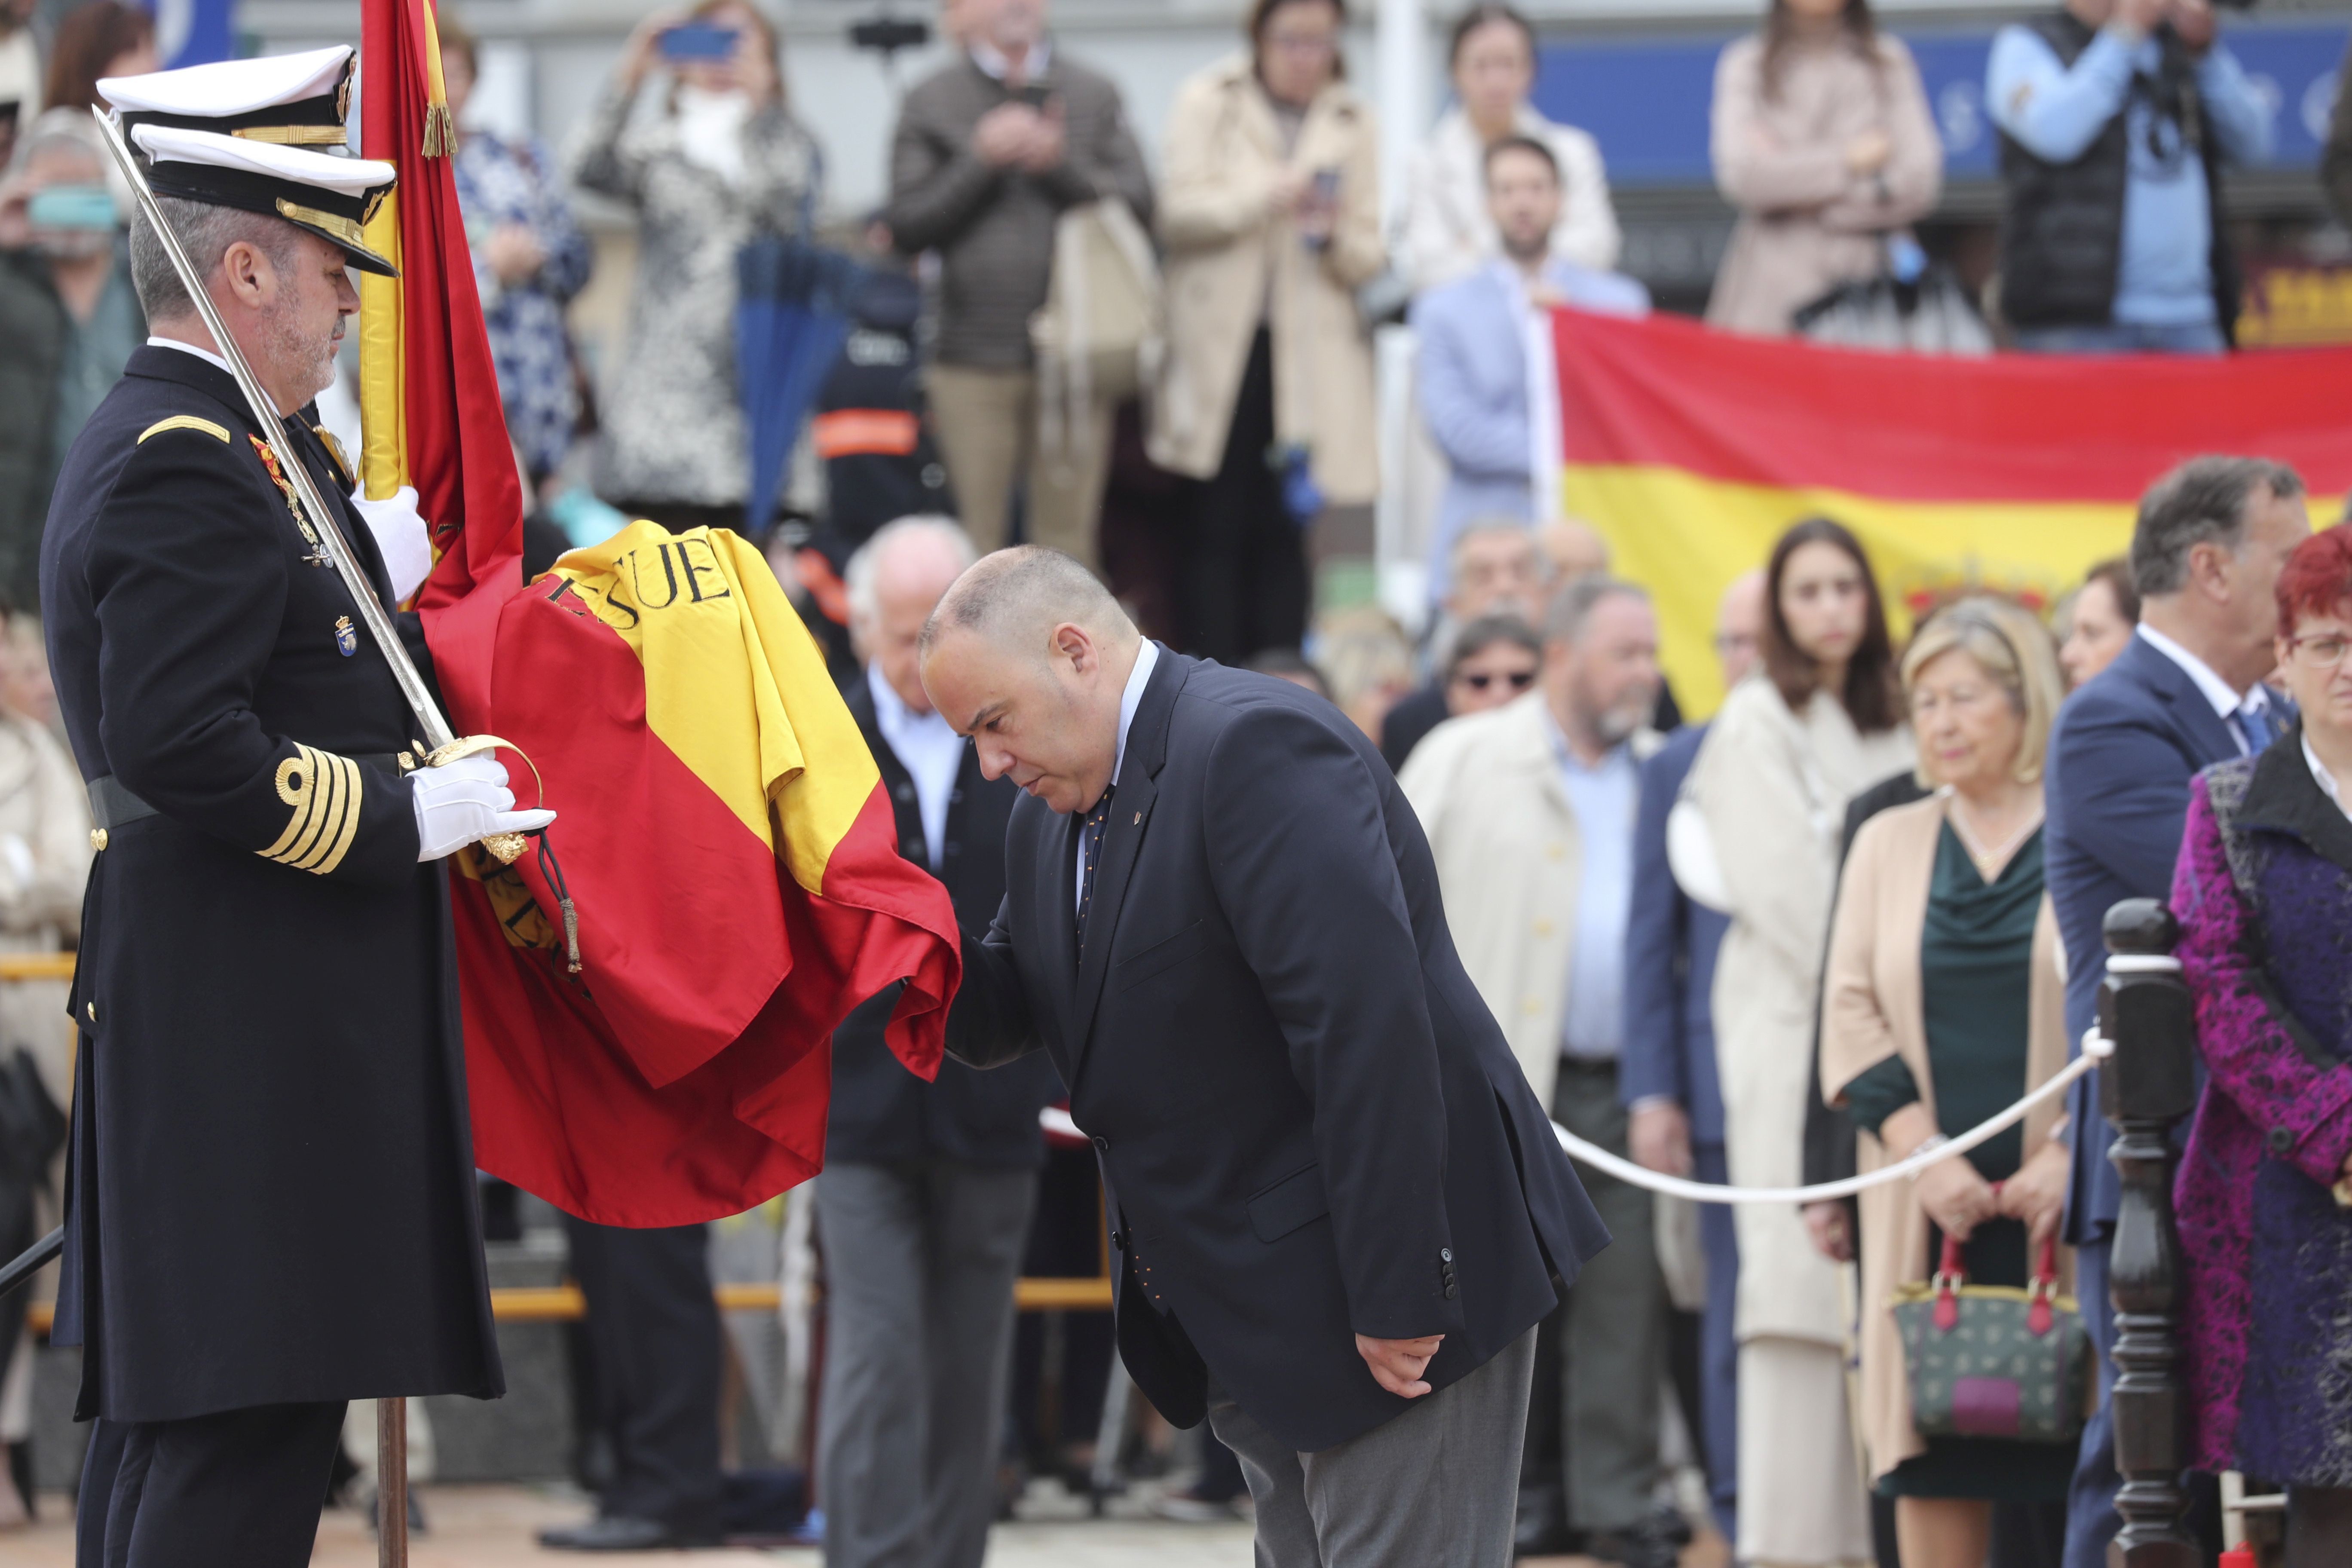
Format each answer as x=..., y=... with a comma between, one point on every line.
x=1339, y=1208
x=2186, y=692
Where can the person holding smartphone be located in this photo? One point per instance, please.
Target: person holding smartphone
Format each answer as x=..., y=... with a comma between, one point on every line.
x=990, y=150
x=69, y=317
x=1271, y=221
x=718, y=159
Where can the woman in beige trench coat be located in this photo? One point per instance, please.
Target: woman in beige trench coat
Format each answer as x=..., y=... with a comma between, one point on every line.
x=1269, y=209
x=1822, y=140
x=1793, y=744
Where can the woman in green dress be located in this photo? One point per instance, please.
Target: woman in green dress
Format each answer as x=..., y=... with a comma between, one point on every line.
x=1945, y=1006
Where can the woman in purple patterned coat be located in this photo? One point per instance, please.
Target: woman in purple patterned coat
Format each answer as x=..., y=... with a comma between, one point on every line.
x=2264, y=895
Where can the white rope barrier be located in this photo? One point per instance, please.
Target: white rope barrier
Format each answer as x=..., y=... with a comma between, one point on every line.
x=2096, y=1049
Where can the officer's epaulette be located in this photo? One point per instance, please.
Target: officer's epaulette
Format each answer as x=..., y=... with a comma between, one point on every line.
x=184, y=422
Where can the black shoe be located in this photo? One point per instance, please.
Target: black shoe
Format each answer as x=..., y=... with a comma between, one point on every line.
x=1670, y=1520
x=618, y=1533
x=1649, y=1544
x=1541, y=1529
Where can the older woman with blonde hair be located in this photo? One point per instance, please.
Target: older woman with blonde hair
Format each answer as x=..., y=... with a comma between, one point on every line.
x=1945, y=1004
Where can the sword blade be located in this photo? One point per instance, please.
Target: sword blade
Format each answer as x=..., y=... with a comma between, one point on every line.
x=322, y=517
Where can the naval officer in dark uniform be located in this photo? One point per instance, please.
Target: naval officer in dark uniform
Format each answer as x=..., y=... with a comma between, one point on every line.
x=269, y=1207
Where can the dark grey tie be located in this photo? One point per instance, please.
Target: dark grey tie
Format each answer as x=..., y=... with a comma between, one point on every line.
x=1090, y=837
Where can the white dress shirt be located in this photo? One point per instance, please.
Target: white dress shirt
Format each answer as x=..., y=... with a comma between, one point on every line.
x=1129, y=700
x=204, y=354
x=2324, y=779
x=930, y=751
x=2228, y=705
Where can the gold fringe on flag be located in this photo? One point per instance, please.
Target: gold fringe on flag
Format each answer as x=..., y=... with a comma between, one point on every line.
x=440, y=129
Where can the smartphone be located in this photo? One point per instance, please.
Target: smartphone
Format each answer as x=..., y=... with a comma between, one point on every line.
x=1034, y=94
x=1326, y=187
x=696, y=41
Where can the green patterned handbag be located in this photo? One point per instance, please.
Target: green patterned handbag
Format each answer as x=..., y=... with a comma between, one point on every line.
x=1994, y=1361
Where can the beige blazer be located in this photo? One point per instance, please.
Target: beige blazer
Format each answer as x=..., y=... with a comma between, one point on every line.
x=1873, y=1011
x=1231, y=264
x=1509, y=852
x=1807, y=222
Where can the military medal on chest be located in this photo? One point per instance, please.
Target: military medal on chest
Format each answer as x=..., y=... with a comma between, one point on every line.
x=318, y=557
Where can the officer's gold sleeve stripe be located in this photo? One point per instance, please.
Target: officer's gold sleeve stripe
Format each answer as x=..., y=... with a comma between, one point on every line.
x=324, y=791
x=184, y=422
x=340, y=822
x=349, y=830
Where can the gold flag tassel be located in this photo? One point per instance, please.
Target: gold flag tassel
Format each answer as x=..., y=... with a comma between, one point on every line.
x=440, y=129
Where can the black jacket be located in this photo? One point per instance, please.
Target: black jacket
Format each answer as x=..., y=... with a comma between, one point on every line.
x=1310, y=1125
x=2062, y=226
x=880, y=1112
x=270, y=1186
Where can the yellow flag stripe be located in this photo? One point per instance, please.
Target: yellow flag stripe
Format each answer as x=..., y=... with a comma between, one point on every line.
x=1684, y=538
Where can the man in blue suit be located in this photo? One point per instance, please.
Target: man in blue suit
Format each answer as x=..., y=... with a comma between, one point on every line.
x=1479, y=337
x=2185, y=693
x=1666, y=1067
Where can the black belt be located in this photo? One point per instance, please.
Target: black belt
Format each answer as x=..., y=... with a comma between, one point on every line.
x=112, y=806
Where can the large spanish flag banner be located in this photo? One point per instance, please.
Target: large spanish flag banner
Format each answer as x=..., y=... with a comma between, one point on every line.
x=648, y=1010
x=1693, y=450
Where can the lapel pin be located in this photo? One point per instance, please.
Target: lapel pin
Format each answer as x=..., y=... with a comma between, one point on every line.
x=347, y=641
x=1138, y=819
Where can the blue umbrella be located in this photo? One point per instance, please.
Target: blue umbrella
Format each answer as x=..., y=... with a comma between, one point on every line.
x=790, y=319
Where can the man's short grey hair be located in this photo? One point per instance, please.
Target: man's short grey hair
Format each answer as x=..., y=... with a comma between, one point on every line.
x=1020, y=594
x=1485, y=527
x=69, y=128
x=1571, y=608
x=2204, y=500
x=865, y=563
x=206, y=233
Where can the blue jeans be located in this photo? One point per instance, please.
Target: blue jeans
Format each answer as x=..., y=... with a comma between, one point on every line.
x=2091, y=1520
x=2124, y=338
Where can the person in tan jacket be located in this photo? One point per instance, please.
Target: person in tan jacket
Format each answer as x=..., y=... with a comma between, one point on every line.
x=1269, y=209
x=1944, y=1004
x=1529, y=810
x=1822, y=138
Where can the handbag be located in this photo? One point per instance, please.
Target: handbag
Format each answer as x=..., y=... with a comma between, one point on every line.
x=1994, y=1361
x=1913, y=305
x=1102, y=331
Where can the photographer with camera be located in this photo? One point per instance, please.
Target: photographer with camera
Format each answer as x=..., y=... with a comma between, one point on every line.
x=2115, y=119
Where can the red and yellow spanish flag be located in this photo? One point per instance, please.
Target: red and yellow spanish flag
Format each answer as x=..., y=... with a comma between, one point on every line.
x=1692, y=450
x=724, y=836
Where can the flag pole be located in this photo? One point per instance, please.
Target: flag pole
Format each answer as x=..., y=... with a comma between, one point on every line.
x=392, y=1482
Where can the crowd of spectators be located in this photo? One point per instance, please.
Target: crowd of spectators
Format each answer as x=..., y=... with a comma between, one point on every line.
x=1870, y=886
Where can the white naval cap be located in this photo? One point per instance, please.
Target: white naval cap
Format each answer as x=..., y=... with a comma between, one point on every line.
x=242, y=134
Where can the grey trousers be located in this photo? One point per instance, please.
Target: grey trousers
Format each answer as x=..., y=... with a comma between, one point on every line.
x=1435, y=1486
x=919, y=1264
x=1612, y=1327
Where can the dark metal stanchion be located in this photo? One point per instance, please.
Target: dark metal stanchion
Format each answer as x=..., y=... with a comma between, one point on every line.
x=28, y=1263
x=2147, y=1089
x=392, y=1483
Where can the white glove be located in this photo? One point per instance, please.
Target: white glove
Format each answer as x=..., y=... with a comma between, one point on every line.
x=459, y=802
x=402, y=538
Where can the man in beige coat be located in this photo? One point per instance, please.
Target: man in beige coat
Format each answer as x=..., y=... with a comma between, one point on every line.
x=1529, y=811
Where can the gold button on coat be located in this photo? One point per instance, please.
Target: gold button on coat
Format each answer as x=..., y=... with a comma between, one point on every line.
x=97, y=839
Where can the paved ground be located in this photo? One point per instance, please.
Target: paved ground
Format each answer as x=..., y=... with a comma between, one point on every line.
x=492, y=1527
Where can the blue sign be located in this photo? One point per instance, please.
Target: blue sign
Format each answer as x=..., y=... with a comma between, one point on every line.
x=193, y=31
x=1647, y=101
